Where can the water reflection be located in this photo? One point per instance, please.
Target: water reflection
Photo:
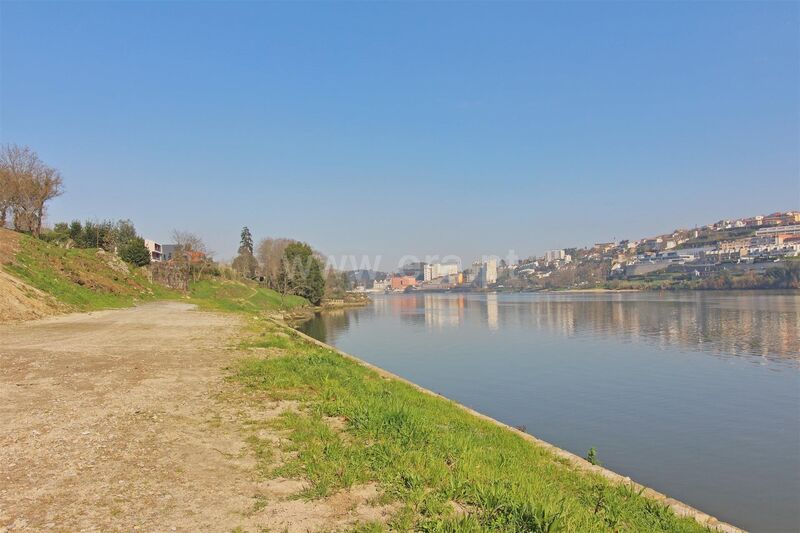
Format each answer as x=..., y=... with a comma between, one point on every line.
x=754, y=324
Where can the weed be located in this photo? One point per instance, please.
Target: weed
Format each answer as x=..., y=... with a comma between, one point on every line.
x=591, y=456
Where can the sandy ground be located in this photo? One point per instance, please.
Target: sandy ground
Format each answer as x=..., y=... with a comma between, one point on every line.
x=122, y=420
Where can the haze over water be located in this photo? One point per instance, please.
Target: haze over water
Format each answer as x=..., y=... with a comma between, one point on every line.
x=694, y=394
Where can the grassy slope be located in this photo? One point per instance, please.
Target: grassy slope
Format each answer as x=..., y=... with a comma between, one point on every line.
x=81, y=279
x=427, y=453
x=85, y=281
x=236, y=296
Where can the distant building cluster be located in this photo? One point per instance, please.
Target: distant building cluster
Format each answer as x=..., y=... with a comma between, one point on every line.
x=753, y=243
x=420, y=276
x=748, y=244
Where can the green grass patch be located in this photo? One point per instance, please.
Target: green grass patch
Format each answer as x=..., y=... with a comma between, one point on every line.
x=240, y=297
x=80, y=277
x=430, y=455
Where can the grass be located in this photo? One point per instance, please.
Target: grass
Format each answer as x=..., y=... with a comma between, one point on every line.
x=240, y=297
x=428, y=454
x=81, y=278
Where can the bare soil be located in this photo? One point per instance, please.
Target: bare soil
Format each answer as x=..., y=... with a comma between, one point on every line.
x=9, y=244
x=18, y=300
x=122, y=420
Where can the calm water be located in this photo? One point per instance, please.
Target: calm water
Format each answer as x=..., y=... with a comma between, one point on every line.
x=694, y=394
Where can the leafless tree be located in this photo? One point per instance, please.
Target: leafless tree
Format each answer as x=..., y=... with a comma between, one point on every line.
x=270, y=256
x=26, y=185
x=186, y=243
x=8, y=193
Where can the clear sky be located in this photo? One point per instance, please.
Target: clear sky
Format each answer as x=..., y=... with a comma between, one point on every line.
x=408, y=128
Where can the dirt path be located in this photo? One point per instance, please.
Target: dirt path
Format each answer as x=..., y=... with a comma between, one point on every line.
x=113, y=421
x=102, y=420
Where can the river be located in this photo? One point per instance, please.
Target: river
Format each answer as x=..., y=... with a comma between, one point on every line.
x=695, y=394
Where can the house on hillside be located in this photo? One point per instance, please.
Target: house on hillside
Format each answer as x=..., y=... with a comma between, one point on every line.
x=166, y=252
x=155, y=249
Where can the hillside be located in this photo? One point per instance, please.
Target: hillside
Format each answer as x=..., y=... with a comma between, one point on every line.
x=19, y=300
x=49, y=279
x=39, y=279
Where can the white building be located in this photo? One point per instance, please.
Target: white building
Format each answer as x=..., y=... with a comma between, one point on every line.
x=793, y=229
x=491, y=271
x=439, y=270
x=381, y=286
x=486, y=273
x=554, y=255
x=156, y=252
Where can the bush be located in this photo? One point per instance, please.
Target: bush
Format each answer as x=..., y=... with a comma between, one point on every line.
x=135, y=252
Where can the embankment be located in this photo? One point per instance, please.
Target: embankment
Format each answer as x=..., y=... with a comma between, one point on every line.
x=448, y=467
x=51, y=280
x=679, y=508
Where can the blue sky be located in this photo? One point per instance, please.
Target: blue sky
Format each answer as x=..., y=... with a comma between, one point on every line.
x=408, y=128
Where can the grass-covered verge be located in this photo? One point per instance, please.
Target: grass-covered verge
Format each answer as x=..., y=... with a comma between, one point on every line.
x=241, y=297
x=82, y=278
x=449, y=470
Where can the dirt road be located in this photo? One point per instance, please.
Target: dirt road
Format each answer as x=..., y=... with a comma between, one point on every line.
x=102, y=419
x=122, y=420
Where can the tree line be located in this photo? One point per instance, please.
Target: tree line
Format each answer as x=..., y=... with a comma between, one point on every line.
x=289, y=267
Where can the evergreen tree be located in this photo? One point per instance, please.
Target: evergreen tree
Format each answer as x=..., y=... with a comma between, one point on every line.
x=302, y=273
x=75, y=230
x=246, y=242
x=135, y=252
x=246, y=263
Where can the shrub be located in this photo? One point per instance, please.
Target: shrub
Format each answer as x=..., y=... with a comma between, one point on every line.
x=135, y=252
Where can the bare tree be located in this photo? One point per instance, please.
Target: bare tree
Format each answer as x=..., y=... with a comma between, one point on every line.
x=8, y=193
x=47, y=185
x=270, y=256
x=186, y=243
x=27, y=185
x=189, y=242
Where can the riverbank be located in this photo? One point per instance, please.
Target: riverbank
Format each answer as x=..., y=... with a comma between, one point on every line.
x=294, y=435
x=305, y=428
x=443, y=465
